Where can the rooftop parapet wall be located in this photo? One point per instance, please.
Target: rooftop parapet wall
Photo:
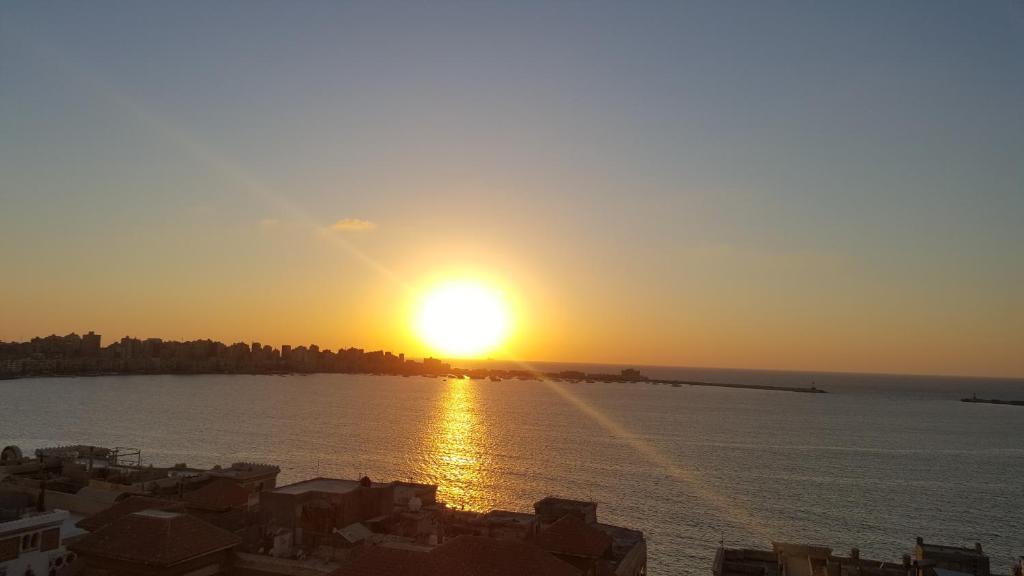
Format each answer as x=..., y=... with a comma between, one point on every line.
x=929, y=557
x=970, y=560
x=551, y=509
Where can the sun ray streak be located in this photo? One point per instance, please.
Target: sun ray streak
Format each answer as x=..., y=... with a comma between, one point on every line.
x=756, y=527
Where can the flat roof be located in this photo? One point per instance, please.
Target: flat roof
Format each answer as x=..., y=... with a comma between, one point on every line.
x=623, y=536
x=558, y=500
x=150, y=513
x=509, y=516
x=68, y=528
x=269, y=564
x=963, y=550
x=243, y=470
x=947, y=572
x=331, y=485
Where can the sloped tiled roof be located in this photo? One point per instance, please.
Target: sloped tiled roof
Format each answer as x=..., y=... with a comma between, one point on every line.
x=123, y=508
x=230, y=520
x=571, y=536
x=155, y=538
x=218, y=494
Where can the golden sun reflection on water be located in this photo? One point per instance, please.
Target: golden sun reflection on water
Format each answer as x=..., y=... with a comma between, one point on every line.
x=455, y=447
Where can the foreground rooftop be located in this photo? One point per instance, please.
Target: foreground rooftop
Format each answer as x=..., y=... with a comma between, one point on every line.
x=156, y=538
x=328, y=485
x=475, y=555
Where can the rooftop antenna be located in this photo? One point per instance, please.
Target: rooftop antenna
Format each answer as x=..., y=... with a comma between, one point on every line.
x=41, y=499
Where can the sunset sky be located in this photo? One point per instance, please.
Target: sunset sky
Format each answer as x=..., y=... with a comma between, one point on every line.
x=792, y=185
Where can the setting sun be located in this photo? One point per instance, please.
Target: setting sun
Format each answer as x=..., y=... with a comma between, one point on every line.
x=462, y=319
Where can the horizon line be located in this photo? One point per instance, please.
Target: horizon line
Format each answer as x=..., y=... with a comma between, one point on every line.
x=589, y=362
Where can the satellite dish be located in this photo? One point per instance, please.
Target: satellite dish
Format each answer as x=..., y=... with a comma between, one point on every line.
x=10, y=455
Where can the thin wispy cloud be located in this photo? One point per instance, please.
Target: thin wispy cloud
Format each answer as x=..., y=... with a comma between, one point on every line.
x=352, y=225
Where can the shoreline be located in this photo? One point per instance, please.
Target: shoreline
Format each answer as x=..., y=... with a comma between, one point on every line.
x=799, y=389
x=492, y=375
x=976, y=400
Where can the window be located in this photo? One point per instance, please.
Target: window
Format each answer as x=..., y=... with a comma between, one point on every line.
x=30, y=541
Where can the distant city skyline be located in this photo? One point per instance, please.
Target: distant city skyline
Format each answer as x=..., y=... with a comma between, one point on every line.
x=150, y=346
x=821, y=187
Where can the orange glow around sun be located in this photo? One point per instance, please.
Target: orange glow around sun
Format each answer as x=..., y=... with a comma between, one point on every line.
x=462, y=318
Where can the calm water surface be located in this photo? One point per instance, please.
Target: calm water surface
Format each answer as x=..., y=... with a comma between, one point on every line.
x=874, y=463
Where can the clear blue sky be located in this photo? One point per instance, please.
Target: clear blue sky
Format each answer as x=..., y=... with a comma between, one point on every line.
x=765, y=184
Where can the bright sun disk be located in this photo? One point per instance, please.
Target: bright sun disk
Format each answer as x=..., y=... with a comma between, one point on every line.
x=463, y=319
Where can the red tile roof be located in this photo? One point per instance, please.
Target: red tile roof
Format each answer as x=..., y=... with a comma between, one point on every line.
x=123, y=508
x=231, y=520
x=218, y=494
x=571, y=536
x=155, y=538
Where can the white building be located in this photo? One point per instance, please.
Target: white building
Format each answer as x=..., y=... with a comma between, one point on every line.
x=31, y=545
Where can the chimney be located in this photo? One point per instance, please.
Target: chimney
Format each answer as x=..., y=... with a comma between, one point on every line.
x=920, y=541
x=855, y=553
x=977, y=547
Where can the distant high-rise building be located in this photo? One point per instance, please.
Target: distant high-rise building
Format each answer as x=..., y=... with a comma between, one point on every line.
x=151, y=347
x=71, y=345
x=130, y=347
x=91, y=344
